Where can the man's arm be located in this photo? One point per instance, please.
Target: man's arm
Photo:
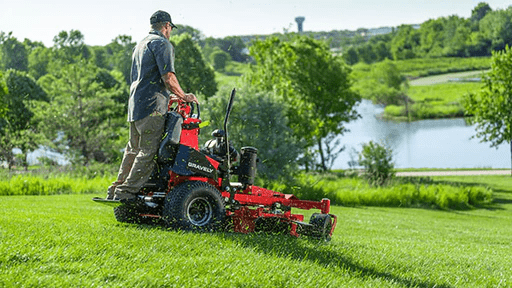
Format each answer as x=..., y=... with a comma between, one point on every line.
x=172, y=84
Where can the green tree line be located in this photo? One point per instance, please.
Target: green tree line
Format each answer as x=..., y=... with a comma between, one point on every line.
x=485, y=31
x=71, y=97
x=298, y=95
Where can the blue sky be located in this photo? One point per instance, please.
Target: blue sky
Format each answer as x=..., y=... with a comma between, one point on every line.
x=101, y=21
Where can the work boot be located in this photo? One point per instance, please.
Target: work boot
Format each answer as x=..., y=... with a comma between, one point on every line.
x=111, y=190
x=110, y=193
x=124, y=196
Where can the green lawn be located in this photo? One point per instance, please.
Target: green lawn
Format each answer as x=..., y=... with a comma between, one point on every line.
x=421, y=67
x=70, y=241
x=441, y=100
x=446, y=78
x=443, y=93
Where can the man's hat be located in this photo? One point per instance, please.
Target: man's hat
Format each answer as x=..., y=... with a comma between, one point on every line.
x=161, y=16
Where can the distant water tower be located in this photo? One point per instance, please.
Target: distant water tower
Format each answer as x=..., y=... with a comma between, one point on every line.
x=299, y=21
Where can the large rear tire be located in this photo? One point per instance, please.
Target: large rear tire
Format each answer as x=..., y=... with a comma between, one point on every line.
x=196, y=206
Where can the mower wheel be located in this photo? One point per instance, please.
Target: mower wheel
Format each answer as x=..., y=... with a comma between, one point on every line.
x=194, y=205
x=322, y=225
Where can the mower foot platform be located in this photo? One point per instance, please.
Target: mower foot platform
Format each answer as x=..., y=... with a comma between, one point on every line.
x=112, y=203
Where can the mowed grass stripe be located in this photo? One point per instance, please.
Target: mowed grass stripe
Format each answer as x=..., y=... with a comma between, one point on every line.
x=67, y=240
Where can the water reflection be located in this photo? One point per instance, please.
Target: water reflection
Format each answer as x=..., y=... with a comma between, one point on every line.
x=441, y=143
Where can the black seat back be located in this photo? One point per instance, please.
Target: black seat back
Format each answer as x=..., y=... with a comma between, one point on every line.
x=172, y=134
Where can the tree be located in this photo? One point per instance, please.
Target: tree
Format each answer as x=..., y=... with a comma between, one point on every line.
x=350, y=56
x=13, y=53
x=69, y=48
x=381, y=51
x=497, y=27
x=3, y=91
x=445, y=36
x=258, y=119
x=366, y=53
x=6, y=153
x=38, y=61
x=479, y=12
x=119, y=56
x=384, y=85
x=220, y=59
x=233, y=45
x=312, y=82
x=197, y=36
x=194, y=73
x=405, y=43
x=432, y=38
x=85, y=117
x=17, y=128
x=490, y=108
x=459, y=43
x=377, y=161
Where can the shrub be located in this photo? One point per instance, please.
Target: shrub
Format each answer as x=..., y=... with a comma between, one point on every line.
x=378, y=163
x=394, y=111
x=258, y=119
x=402, y=192
x=220, y=59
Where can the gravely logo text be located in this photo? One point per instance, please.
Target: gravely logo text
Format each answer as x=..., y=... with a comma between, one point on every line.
x=199, y=167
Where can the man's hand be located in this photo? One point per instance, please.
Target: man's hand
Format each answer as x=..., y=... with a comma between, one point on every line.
x=173, y=98
x=189, y=97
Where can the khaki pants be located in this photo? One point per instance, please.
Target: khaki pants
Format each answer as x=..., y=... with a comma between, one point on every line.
x=138, y=160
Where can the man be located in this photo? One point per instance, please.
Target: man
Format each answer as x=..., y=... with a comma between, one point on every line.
x=152, y=76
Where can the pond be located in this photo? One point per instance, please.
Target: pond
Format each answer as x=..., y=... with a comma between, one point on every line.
x=444, y=143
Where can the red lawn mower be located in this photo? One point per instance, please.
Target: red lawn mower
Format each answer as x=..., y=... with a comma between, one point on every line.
x=191, y=188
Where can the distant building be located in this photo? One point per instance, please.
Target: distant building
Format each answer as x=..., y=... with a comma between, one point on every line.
x=299, y=21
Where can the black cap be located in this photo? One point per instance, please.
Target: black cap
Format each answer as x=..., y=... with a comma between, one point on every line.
x=161, y=16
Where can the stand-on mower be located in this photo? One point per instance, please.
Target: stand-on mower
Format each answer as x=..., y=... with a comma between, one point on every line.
x=191, y=188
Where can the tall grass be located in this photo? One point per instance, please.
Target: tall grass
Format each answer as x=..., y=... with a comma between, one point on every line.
x=401, y=193
x=422, y=67
x=420, y=111
x=341, y=190
x=36, y=185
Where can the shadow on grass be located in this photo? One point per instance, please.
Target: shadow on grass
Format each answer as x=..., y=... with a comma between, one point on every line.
x=314, y=251
x=318, y=253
